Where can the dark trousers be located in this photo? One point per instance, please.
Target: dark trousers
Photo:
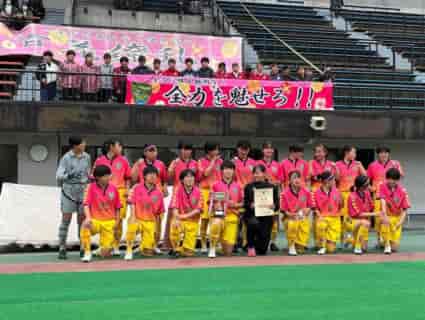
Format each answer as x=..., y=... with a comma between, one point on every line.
x=258, y=233
x=48, y=91
x=105, y=95
x=70, y=93
x=89, y=96
x=121, y=95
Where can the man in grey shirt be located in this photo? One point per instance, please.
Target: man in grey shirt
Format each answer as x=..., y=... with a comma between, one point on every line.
x=73, y=176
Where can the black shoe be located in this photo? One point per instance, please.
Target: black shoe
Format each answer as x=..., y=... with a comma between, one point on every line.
x=81, y=253
x=62, y=254
x=173, y=254
x=274, y=247
x=236, y=250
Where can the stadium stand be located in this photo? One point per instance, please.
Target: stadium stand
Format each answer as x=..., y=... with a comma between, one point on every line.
x=364, y=79
x=401, y=31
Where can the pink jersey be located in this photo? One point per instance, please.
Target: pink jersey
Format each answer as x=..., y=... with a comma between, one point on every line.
x=233, y=191
x=359, y=203
x=103, y=203
x=291, y=202
x=347, y=173
x=204, y=181
x=120, y=167
x=377, y=171
x=243, y=172
x=159, y=165
x=317, y=168
x=397, y=200
x=329, y=204
x=288, y=166
x=148, y=204
x=186, y=202
x=180, y=166
x=273, y=171
x=258, y=76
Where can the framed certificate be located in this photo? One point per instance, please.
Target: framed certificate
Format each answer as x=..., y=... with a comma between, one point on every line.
x=263, y=200
x=217, y=204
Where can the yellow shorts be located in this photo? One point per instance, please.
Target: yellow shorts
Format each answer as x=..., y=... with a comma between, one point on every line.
x=105, y=229
x=392, y=233
x=344, y=210
x=298, y=231
x=123, y=192
x=225, y=229
x=205, y=196
x=329, y=228
x=377, y=209
x=184, y=236
x=147, y=230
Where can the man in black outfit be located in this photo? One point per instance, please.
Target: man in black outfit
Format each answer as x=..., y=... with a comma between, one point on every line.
x=258, y=228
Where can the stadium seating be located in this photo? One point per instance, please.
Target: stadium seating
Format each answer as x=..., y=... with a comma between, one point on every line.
x=363, y=78
x=403, y=32
x=9, y=79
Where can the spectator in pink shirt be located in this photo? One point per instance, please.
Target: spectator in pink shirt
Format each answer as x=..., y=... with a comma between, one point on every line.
x=90, y=79
x=70, y=79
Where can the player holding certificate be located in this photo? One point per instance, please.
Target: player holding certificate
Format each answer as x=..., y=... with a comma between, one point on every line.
x=225, y=200
x=261, y=201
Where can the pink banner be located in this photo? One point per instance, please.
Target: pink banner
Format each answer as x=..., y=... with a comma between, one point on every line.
x=209, y=93
x=34, y=39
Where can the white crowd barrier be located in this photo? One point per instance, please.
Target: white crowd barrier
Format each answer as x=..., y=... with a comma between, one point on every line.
x=31, y=215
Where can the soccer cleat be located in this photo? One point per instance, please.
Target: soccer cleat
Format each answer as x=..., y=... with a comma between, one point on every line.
x=292, y=251
x=116, y=252
x=157, y=251
x=212, y=253
x=273, y=247
x=87, y=257
x=173, y=254
x=251, y=252
x=128, y=255
x=204, y=250
x=387, y=249
x=358, y=251
x=321, y=252
x=62, y=254
x=95, y=253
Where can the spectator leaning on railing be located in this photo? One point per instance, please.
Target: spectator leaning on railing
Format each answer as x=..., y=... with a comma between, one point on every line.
x=120, y=81
x=90, y=79
x=48, y=76
x=70, y=79
x=106, y=86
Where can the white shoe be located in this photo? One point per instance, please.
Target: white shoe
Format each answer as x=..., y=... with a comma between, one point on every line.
x=321, y=251
x=87, y=257
x=358, y=251
x=387, y=249
x=96, y=253
x=128, y=256
x=212, y=254
x=116, y=252
x=292, y=251
x=204, y=250
x=157, y=251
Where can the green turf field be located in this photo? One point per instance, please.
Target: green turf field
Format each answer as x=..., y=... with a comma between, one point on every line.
x=360, y=292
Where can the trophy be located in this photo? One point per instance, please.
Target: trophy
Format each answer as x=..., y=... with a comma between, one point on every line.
x=218, y=204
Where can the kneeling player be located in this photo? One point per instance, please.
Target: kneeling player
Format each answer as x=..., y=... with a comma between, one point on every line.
x=296, y=203
x=360, y=209
x=186, y=205
x=394, y=204
x=226, y=198
x=327, y=201
x=147, y=204
x=101, y=208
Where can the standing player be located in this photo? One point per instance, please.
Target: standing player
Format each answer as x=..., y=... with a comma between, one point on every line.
x=151, y=159
x=209, y=172
x=147, y=204
x=394, y=203
x=360, y=209
x=101, y=209
x=184, y=161
x=320, y=164
x=327, y=203
x=295, y=162
x=225, y=212
x=187, y=205
x=73, y=176
x=121, y=179
x=274, y=176
x=376, y=173
x=347, y=170
x=296, y=204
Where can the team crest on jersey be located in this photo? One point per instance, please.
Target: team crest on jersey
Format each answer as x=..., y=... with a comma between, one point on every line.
x=111, y=195
x=274, y=169
x=118, y=165
x=335, y=197
x=193, y=200
x=235, y=190
x=155, y=199
x=396, y=199
x=303, y=198
x=250, y=167
x=217, y=167
x=301, y=167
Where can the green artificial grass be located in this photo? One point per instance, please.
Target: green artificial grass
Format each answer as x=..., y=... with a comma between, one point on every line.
x=369, y=291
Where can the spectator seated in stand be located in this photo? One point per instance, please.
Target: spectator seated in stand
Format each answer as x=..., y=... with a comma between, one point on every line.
x=18, y=15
